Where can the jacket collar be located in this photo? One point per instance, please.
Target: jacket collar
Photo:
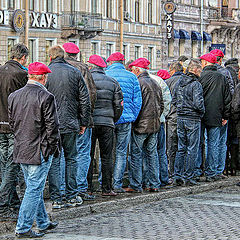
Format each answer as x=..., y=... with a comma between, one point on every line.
x=115, y=65
x=71, y=59
x=210, y=68
x=97, y=70
x=58, y=60
x=144, y=74
x=177, y=74
x=13, y=62
x=192, y=75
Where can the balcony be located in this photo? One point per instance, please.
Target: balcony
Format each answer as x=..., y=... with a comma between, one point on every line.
x=224, y=14
x=81, y=24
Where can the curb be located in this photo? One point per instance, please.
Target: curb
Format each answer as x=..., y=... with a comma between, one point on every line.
x=128, y=201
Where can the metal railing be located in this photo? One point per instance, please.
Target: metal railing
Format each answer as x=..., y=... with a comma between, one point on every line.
x=81, y=20
x=223, y=13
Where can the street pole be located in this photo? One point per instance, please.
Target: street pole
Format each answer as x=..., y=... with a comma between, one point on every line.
x=121, y=26
x=26, y=22
x=201, y=25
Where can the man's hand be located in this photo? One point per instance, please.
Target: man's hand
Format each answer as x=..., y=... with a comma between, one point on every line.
x=82, y=130
x=224, y=122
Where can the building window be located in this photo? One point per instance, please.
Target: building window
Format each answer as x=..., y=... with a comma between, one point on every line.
x=125, y=8
x=49, y=5
x=94, y=48
x=109, y=48
x=94, y=6
x=150, y=56
x=181, y=47
x=125, y=50
x=73, y=5
x=149, y=11
x=11, y=43
x=109, y=9
x=137, y=11
x=137, y=52
x=194, y=49
x=32, y=47
x=170, y=48
x=11, y=4
x=31, y=5
x=49, y=44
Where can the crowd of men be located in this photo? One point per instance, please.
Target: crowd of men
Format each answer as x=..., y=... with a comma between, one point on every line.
x=169, y=129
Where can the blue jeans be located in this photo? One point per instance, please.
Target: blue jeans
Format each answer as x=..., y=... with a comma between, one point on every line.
x=162, y=156
x=123, y=135
x=70, y=155
x=188, y=145
x=83, y=159
x=32, y=207
x=222, y=149
x=213, y=136
x=143, y=144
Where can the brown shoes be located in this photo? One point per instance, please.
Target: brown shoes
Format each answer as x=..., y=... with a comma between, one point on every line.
x=109, y=194
x=131, y=190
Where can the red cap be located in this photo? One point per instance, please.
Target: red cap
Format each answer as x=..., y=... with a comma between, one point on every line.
x=117, y=56
x=71, y=48
x=140, y=62
x=217, y=53
x=38, y=68
x=209, y=57
x=162, y=73
x=97, y=60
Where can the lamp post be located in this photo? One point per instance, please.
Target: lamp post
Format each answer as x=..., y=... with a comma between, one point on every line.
x=26, y=22
x=121, y=26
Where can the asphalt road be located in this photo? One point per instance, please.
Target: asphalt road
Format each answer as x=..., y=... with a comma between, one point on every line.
x=211, y=215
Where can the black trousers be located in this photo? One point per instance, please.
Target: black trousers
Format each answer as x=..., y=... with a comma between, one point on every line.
x=105, y=136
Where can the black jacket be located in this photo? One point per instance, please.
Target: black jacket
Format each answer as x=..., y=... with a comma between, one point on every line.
x=73, y=104
x=109, y=105
x=33, y=119
x=188, y=98
x=87, y=76
x=12, y=77
x=217, y=97
x=148, y=120
x=171, y=82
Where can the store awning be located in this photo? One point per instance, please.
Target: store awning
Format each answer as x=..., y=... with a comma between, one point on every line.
x=207, y=37
x=196, y=36
x=184, y=34
x=176, y=34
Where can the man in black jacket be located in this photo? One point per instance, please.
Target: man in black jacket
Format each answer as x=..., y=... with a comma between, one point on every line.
x=83, y=140
x=67, y=85
x=176, y=72
x=188, y=99
x=108, y=109
x=145, y=130
x=13, y=75
x=33, y=119
x=217, y=100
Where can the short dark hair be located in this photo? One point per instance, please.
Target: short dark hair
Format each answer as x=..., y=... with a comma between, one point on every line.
x=18, y=51
x=182, y=58
x=176, y=66
x=194, y=63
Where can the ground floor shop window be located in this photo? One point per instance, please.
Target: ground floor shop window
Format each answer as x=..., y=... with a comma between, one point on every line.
x=150, y=56
x=95, y=47
x=170, y=48
x=11, y=42
x=109, y=49
x=33, y=50
x=137, y=52
x=194, y=49
x=181, y=47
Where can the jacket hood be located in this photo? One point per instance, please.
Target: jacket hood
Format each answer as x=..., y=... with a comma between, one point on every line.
x=210, y=68
x=58, y=60
x=97, y=70
x=185, y=80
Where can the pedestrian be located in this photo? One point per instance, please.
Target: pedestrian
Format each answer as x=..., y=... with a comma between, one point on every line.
x=34, y=121
x=176, y=72
x=163, y=74
x=222, y=148
x=13, y=76
x=188, y=99
x=145, y=129
x=217, y=100
x=108, y=110
x=161, y=136
x=83, y=140
x=132, y=99
x=73, y=105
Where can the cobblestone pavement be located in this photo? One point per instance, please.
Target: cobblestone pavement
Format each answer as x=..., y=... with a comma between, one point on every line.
x=210, y=215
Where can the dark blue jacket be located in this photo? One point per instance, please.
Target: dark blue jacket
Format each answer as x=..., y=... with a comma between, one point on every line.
x=188, y=98
x=132, y=97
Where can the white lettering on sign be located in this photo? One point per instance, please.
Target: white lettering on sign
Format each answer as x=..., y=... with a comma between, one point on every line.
x=44, y=20
x=4, y=17
x=169, y=25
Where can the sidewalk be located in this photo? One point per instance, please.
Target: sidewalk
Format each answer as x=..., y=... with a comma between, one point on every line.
x=126, y=200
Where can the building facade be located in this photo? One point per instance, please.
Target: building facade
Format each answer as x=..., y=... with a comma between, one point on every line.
x=95, y=25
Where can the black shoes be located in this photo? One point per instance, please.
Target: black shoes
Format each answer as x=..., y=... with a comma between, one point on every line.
x=86, y=197
x=29, y=234
x=51, y=226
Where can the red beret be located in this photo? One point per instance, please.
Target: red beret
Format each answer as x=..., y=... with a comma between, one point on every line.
x=38, y=68
x=209, y=58
x=71, y=48
x=140, y=62
x=97, y=60
x=217, y=53
x=117, y=56
x=162, y=73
